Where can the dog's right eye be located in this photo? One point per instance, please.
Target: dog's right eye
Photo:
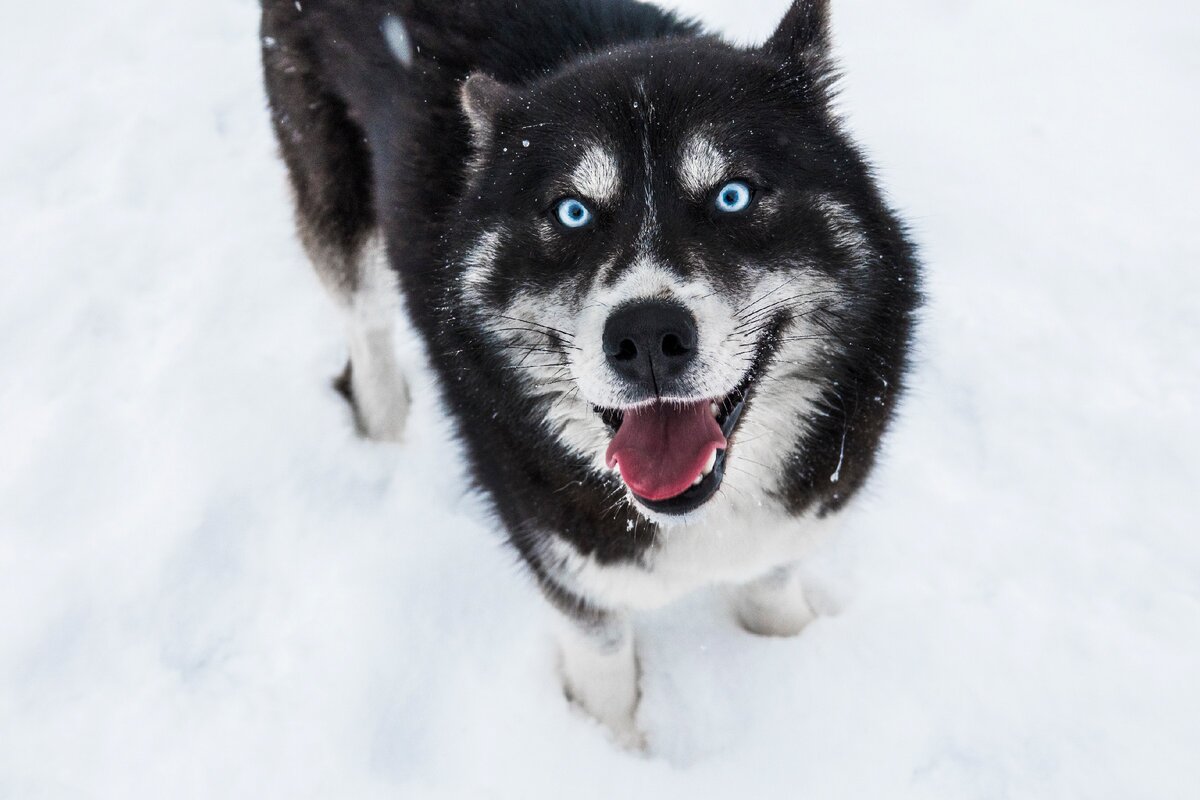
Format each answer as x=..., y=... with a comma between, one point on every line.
x=572, y=213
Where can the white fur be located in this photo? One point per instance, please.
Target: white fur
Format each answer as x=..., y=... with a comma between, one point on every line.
x=597, y=176
x=479, y=263
x=773, y=605
x=600, y=673
x=599, y=665
x=380, y=392
x=729, y=546
x=364, y=287
x=701, y=166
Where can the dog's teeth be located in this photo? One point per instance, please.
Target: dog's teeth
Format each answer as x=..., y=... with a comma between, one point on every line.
x=716, y=409
x=698, y=481
x=708, y=465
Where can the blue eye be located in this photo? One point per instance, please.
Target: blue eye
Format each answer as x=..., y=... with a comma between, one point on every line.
x=572, y=213
x=733, y=197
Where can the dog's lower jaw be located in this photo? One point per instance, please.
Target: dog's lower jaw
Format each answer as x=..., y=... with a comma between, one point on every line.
x=599, y=670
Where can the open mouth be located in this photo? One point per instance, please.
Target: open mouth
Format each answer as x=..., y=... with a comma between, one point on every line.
x=672, y=454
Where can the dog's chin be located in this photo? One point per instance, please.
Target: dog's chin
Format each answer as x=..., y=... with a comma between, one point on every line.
x=671, y=521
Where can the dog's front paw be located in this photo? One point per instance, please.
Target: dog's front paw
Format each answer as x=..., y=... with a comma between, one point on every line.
x=378, y=399
x=600, y=676
x=611, y=701
x=773, y=605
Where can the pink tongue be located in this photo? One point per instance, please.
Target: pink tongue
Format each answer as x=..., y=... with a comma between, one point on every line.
x=661, y=449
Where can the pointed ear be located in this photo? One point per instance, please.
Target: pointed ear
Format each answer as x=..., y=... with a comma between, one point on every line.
x=803, y=35
x=483, y=98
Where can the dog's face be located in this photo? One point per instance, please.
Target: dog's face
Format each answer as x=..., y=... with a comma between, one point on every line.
x=667, y=246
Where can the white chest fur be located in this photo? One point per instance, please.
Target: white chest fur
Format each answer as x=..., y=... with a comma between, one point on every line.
x=733, y=547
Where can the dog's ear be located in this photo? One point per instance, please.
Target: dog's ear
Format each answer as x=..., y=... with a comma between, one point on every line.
x=483, y=99
x=803, y=35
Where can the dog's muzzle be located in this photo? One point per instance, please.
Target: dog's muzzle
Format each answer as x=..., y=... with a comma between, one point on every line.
x=670, y=453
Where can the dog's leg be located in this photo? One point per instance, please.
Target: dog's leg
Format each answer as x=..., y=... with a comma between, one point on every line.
x=600, y=671
x=773, y=605
x=329, y=166
x=373, y=382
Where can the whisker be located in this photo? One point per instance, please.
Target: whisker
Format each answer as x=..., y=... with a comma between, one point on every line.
x=537, y=324
x=555, y=339
x=532, y=348
x=510, y=367
x=785, y=303
x=758, y=300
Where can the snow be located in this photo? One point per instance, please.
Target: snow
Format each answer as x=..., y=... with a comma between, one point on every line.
x=210, y=588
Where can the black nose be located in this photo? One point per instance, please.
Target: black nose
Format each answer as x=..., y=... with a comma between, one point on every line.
x=650, y=343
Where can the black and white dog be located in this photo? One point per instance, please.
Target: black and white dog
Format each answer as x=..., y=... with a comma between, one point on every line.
x=667, y=306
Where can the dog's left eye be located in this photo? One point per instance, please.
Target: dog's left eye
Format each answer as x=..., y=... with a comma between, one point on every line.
x=733, y=197
x=572, y=213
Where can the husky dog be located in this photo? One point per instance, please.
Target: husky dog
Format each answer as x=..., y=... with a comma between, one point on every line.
x=667, y=306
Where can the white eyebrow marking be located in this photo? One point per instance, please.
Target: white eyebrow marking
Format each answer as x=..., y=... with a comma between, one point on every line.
x=597, y=176
x=701, y=165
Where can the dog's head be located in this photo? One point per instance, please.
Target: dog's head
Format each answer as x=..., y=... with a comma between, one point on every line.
x=673, y=242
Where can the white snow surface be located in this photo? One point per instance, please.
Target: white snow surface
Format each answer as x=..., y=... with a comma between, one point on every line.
x=209, y=587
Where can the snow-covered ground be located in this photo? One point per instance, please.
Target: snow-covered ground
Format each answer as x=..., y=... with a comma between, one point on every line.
x=209, y=587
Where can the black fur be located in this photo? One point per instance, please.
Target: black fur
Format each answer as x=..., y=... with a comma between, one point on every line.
x=372, y=142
